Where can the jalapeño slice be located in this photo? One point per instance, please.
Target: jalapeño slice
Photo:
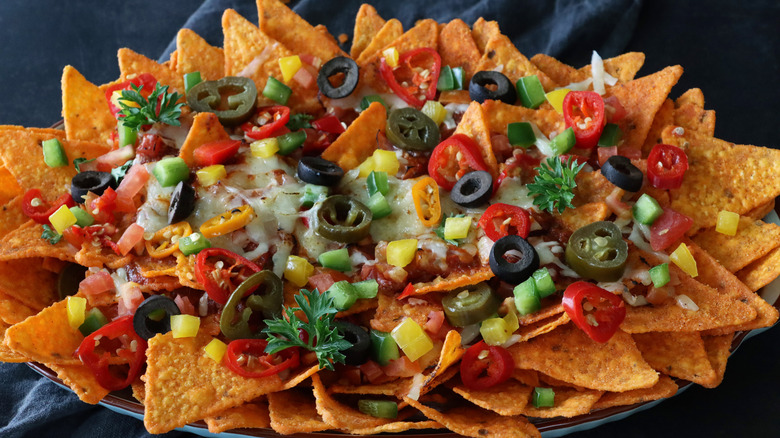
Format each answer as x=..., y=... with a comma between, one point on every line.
x=598, y=251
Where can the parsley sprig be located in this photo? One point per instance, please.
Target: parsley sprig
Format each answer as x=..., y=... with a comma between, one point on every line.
x=51, y=235
x=137, y=110
x=323, y=338
x=552, y=187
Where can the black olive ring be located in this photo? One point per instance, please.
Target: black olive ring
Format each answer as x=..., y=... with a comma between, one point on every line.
x=319, y=171
x=505, y=91
x=518, y=271
x=619, y=171
x=339, y=64
x=473, y=189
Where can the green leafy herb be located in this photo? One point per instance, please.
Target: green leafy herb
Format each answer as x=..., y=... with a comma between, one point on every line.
x=440, y=229
x=119, y=172
x=52, y=236
x=299, y=121
x=138, y=111
x=323, y=338
x=79, y=161
x=552, y=187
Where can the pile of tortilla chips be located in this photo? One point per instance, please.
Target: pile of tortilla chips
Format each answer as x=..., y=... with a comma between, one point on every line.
x=655, y=348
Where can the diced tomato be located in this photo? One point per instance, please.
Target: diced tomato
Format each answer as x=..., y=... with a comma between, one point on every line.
x=373, y=372
x=151, y=147
x=501, y=147
x=102, y=207
x=115, y=158
x=132, y=235
x=328, y=123
x=304, y=76
x=324, y=280
x=435, y=320
x=97, y=283
x=605, y=152
x=216, y=152
x=131, y=184
x=614, y=110
x=184, y=305
x=402, y=367
x=130, y=297
x=668, y=228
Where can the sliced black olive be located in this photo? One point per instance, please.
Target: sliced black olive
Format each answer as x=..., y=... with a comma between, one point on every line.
x=89, y=181
x=473, y=189
x=339, y=64
x=153, y=316
x=357, y=354
x=619, y=171
x=69, y=279
x=182, y=203
x=319, y=171
x=505, y=91
x=523, y=256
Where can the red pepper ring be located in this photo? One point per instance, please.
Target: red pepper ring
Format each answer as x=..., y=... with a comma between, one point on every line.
x=42, y=210
x=666, y=166
x=414, y=80
x=453, y=158
x=606, y=311
x=241, y=355
x=501, y=220
x=129, y=346
x=583, y=111
x=221, y=277
x=479, y=374
x=278, y=116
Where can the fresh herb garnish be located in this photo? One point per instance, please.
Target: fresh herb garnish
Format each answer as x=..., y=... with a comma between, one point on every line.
x=299, y=121
x=119, y=172
x=52, y=236
x=138, y=111
x=79, y=161
x=323, y=338
x=440, y=229
x=552, y=186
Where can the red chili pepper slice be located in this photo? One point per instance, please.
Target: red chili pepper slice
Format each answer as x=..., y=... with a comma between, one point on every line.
x=40, y=210
x=329, y=123
x=668, y=228
x=501, y=220
x=266, y=122
x=583, y=111
x=666, y=166
x=216, y=152
x=479, y=374
x=453, y=158
x=409, y=80
x=221, y=271
x=594, y=310
x=99, y=351
x=102, y=207
x=246, y=356
x=144, y=79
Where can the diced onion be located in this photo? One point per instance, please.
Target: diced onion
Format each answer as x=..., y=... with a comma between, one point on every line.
x=634, y=300
x=597, y=71
x=686, y=302
x=417, y=383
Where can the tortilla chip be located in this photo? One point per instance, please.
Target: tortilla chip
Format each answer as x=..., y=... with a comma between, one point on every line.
x=761, y=211
x=718, y=351
x=762, y=271
x=547, y=311
x=642, y=98
x=474, y=124
x=248, y=415
x=9, y=188
x=754, y=239
x=23, y=156
x=26, y=281
x=663, y=389
x=358, y=142
x=559, y=72
x=6, y=354
x=195, y=54
x=456, y=96
x=294, y=411
x=13, y=311
x=677, y=354
x=245, y=44
x=458, y=49
x=81, y=380
x=623, y=67
x=578, y=217
x=391, y=311
x=690, y=113
x=282, y=24
x=367, y=25
x=714, y=181
x=540, y=327
x=205, y=129
x=499, y=114
x=568, y=354
x=132, y=63
x=46, y=337
x=479, y=423
x=482, y=31
x=500, y=51
x=453, y=281
x=594, y=187
x=507, y=399
x=25, y=242
x=451, y=352
x=389, y=32
x=569, y=403
x=84, y=109
x=664, y=117
x=12, y=216
x=398, y=426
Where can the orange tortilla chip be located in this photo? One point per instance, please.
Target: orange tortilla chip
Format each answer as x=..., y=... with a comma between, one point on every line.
x=358, y=142
x=500, y=51
x=762, y=271
x=677, y=354
x=482, y=31
x=569, y=402
x=664, y=117
x=475, y=125
x=6, y=354
x=195, y=54
x=623, y=67
x=46, y=337
x=454, y=281
x=722, y=176
x=367, y=25
x=13, y=311
x=754, y=239
x=663, y=389
x=451, y=352
x=284, y=25
x=507, y=399
x=718, y=351
x=478, y=423
x=690, y=113
x=205, y=129
x=761, y=211
x=541, y=327
x=458, y=49
x=9, y=188
x=26, y=281
x=25, y=241
x=23, y=156
x=132, y=63
x=559, y=72
x=547, y=311
x=248, y=415
x=499, y=114
x=390, y=31
x=81, y=380
x=575, y=218
x=12, y=216
x=84, y=109
x=391, y=311
x=568, y=354
x=294, y=411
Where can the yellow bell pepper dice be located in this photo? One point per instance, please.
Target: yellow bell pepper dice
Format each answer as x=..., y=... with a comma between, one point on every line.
x=211, y=175
x=457, y=227
x=391, y=57
x=412, y=339
x=683, y=258
x=77, y=309
x=728, y=222
x=298, y=270
x=401, y=252
x=366, y=167
x=555, y=97
x=184, y=326
x=265, y=148
x=289, y=66
x=215, y=350
x=62, y=219
x=435, y=111
x=386, y=161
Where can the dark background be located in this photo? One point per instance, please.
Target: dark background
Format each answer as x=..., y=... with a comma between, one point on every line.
x=731, y=51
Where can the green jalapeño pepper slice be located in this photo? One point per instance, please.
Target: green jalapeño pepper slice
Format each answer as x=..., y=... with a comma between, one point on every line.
x=231, y=98
x=267, y=298
x=412, y=130
x=469, y=306
x=598, y=251
x=343, y=219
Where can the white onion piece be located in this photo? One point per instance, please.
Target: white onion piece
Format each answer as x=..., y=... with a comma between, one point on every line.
x=597, y=71
x=686, y=302
x=417, y=383
x=542, y=142
x=634, y=300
